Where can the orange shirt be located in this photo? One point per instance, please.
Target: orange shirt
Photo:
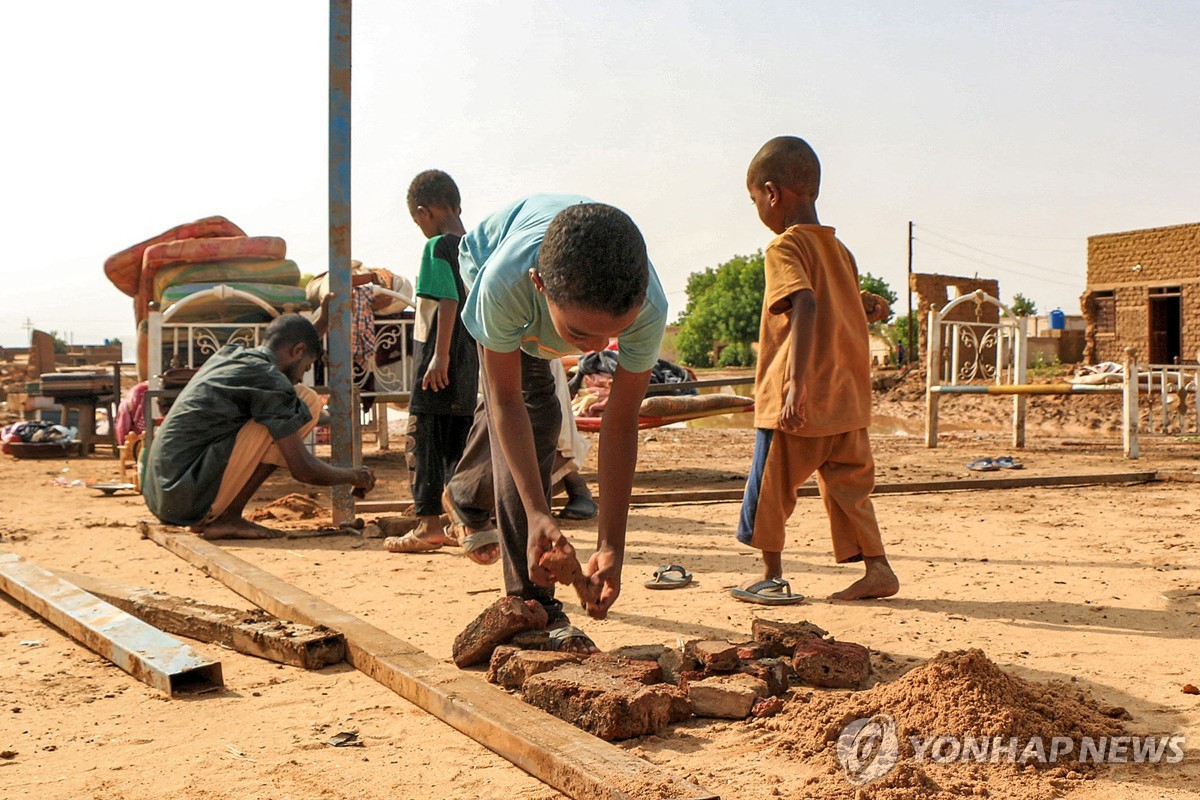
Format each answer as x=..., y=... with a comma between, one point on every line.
x=839, y=369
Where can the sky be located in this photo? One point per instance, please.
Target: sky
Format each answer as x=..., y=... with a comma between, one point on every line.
x=1007, y=132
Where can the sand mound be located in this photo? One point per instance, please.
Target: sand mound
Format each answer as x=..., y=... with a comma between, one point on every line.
x=289, y=508
x=959, y=695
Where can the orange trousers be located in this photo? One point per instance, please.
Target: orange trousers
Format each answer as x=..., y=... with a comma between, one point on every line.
x=255, y=446
x=845, y=475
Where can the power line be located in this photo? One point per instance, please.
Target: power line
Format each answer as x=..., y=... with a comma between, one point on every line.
x=1013, y=235
x=1002, y=258
x=1074, y=284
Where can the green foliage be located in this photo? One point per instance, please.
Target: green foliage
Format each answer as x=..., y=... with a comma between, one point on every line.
x=1022, y=306
x=869, y=283
x=115, y=341
x=724, y=305
x=896, y=334
x=1042, y=370
x=60, y=344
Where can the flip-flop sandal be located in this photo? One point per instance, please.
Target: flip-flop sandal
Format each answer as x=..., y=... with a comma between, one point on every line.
x=566, y=638
x=1008, y=462
x=409, y=543
x=983, y=465
x=669, y=577
x=769, y=592
x=578, y=508
x=477, y=540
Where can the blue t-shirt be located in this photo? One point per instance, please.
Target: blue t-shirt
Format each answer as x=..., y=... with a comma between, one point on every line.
x=505, y=311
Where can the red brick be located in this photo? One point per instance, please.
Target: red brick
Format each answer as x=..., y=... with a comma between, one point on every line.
x=834, y=665
x=726, y=696
x=767, y=707
x=785, y=633
x=645, y=672
x=499, y=656
x=753, y=651
x=775, y=672
x=674, y=663
x=527, y=663
x=498, y=623
x=714, y=655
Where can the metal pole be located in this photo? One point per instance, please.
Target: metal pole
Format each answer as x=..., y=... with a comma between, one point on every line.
x=911, y=322
x=338, y=367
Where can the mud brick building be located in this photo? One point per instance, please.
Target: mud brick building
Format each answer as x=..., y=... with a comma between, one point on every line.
x=1143, y=291
x=935, y=291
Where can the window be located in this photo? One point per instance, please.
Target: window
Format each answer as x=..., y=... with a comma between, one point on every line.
x=1105, y=319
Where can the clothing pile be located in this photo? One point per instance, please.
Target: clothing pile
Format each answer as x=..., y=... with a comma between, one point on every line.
x=591, y=381
x=35, y=431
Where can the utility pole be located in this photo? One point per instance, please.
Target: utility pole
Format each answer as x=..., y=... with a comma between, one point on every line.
x=911, y=322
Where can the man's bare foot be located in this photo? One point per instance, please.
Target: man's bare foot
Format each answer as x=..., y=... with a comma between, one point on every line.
x=879, y=581
x=238, y=528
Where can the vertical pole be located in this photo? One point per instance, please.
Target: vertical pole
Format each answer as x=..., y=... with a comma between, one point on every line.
x=1129, y=405
x=933, y=349
x=341, y=410
x=911, y=322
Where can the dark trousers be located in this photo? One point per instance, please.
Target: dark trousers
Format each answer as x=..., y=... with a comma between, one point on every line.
x=482, y=467
x=433, y=446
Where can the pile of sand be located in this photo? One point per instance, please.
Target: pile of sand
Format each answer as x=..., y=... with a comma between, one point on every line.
x=289, y=508
x=956, y=694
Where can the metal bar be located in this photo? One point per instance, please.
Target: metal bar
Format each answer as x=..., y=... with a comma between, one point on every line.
x=1029, y=388
x=145, y=652
x=667, y=388
x=339, y=370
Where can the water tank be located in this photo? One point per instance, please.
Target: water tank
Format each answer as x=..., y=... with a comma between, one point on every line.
x=1058, y=320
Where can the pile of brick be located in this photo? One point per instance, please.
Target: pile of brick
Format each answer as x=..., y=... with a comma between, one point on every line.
x=638, y=690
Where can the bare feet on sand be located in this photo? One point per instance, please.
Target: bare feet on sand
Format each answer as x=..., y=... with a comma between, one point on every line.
x=879, y=581
x=237, y=529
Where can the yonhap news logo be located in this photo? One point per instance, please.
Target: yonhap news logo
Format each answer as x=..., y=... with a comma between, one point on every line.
x=869, y=748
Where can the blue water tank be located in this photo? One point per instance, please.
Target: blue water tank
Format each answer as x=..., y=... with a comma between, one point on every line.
x=1058, y=320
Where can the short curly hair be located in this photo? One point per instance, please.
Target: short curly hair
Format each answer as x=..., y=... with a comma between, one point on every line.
x=292, y=329
x=594, y=257
x=433, y=188
x=787, y=161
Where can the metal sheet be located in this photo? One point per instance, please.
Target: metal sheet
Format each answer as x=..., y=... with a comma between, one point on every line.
x=142, y=650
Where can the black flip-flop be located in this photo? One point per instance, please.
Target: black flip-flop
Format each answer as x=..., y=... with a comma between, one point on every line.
x=578, y=508
x=670, y=576
x=565, y=636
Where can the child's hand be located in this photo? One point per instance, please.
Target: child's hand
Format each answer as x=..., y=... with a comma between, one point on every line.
x=792, y=416
x=544, y=536
x=604, y=574
x=437, y=377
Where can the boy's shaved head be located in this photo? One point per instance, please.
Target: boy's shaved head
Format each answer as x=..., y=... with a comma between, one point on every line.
x=433, y=188
x=593, y=257
x=788, y=162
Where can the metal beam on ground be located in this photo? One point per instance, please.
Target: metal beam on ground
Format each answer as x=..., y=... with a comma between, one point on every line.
x=145, y=652
x=554, y=751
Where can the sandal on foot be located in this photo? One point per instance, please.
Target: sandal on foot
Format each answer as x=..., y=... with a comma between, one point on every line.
x=477, y=540
x=770, y=592
x=983, y=465
x=578, y=508
x=569, y=639
x=409, y=543
x=669, y=577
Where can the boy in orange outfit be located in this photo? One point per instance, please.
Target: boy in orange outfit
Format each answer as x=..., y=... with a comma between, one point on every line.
x=813, y=384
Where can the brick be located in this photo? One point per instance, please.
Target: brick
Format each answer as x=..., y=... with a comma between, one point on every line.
x=834, y=665
x=767, y=707
x=674, y=663
x=605, y=706
x=785, y=633
x=640, y=652
x=644, y=672
x=498, y=623
x=753, y=651
x=775, y=672
x=714, y=655
x=499, y=656
x=726, y=696
x=531, y=640
x=524, y=664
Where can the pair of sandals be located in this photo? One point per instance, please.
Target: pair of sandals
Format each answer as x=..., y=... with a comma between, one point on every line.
x=994, y=464
x=769, y=592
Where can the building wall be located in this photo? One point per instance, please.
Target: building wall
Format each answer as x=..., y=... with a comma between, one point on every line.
x=933, y=291
x=1129, y=265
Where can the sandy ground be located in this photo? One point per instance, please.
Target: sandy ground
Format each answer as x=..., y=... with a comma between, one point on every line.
x=1096, y=585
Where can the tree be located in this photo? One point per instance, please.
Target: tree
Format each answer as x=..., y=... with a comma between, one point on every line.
x=1022, y=306
x=896, y=335
x=60, y=344
x=724, y=305
x=869, y=283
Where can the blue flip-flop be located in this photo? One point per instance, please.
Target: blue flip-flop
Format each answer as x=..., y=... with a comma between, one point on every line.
x=769, y=592
x=983, y=465
x=1008, y=462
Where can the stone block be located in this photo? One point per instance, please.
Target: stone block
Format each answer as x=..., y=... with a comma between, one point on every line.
x=786, y=633
x=645, y=672
x=674, y=663
x=498, y=623
x=601, y=704
x=726, y=696
x=499, y=656
x=531, y=640
x=834, y=665
x=640, y=652
x=775, y=672
x=753, y=651
x=767, y=707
